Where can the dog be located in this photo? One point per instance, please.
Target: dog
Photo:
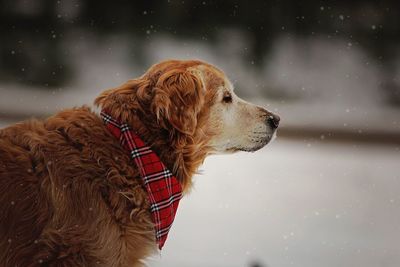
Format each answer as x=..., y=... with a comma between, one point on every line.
x=70, y=193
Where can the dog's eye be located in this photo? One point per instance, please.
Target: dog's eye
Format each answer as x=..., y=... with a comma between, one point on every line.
x=227, y=98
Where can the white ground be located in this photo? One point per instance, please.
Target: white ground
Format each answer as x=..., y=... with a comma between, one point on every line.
x=291, y=204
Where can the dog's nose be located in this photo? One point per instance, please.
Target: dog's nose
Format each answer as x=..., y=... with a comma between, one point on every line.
x=273, y=120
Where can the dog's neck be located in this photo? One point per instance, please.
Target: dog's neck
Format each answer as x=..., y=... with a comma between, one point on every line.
x=182, y=154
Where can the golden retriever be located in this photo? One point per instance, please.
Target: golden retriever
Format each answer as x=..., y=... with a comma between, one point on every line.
x=70, y=194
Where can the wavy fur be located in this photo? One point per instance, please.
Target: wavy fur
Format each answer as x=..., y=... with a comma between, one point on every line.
x=71, y=196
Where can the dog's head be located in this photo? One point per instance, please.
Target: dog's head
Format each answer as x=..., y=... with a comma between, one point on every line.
x=195, y=100
x=187, y=110
x=237, y=124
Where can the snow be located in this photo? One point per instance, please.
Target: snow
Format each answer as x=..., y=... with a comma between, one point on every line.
x=291, y=205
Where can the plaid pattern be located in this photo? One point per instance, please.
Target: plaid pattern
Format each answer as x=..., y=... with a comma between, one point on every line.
x=162, y=187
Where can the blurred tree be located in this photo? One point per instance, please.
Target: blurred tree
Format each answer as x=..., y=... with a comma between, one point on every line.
x=32, y=31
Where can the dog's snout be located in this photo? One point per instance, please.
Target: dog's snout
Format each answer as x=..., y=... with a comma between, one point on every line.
x=273, y=120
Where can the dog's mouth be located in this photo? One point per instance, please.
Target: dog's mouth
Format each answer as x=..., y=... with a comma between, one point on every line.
x=257, y=143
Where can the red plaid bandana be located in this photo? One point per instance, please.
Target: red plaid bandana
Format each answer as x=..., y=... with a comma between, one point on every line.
x=162, y=187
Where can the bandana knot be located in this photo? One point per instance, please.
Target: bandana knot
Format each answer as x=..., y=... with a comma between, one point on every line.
x=163, y=189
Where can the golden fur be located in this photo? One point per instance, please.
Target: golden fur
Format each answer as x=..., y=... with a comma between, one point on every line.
x=71, y=196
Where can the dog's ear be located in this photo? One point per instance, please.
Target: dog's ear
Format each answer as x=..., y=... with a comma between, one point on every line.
x=178, y=98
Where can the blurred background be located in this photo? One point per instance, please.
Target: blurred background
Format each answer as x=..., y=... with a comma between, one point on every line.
x=325, y=193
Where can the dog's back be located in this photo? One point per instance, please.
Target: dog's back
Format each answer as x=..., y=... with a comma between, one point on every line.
x=22, y=203
x=60, y=194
